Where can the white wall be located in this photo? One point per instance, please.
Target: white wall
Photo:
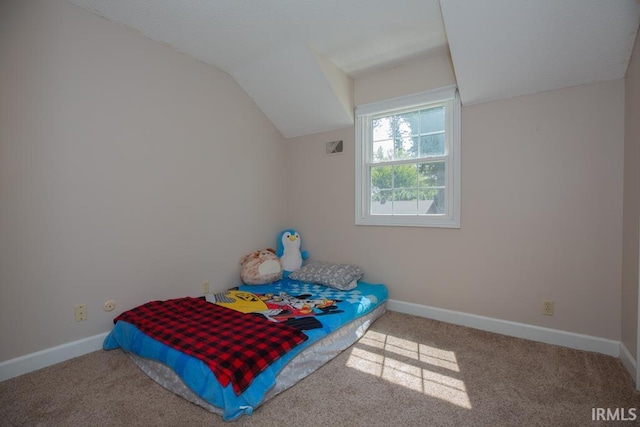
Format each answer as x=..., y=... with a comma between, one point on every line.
x=128, y=171
x=631, y=204
x=432, y=72
x=541, y=209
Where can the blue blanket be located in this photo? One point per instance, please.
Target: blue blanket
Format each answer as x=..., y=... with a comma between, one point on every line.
x=317, y=310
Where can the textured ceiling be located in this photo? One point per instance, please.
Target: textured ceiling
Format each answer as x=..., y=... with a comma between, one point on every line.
x=502, y=49
x=296, y=58
x=275, y=48
x=232, y=34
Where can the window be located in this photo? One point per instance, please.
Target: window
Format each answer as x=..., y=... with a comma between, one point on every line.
x=408, y=160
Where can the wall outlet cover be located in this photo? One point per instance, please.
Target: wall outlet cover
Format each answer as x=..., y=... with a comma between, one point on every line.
x=109, y=305
x=548, y=307
x=80, y=312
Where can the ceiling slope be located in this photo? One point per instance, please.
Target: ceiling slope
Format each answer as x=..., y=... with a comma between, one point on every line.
x=293, y=57
x=506, y=48
x=296, y=58
x=290, y=87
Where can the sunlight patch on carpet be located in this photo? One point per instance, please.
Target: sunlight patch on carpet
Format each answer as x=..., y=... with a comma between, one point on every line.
x=411, y=365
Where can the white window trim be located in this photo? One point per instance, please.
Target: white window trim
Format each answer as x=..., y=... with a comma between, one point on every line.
x=363, y=114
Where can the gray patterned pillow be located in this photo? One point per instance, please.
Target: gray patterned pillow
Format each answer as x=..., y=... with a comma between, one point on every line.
x=339, y=276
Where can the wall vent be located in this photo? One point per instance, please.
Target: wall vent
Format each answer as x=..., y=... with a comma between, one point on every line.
x=334, y=147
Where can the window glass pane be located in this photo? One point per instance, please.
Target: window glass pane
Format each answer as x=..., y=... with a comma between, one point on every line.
x=382, y=202
x=406, y=147
x=431, y=174
x=403, y=127
x=432, y=145
x=381, y=179
x=432, y=201
x=406, y=124
x=381, y=128
x=432, y=120
x=405, y=194
x=405, y=176
x=382, y=150
x=405, y=201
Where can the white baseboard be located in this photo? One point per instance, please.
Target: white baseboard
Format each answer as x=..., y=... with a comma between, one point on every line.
x=628, y=361
x=513, y=329
x=50, y=356
x=41, y=359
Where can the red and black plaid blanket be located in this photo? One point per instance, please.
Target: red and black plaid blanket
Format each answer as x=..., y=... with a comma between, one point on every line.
x=236, y=346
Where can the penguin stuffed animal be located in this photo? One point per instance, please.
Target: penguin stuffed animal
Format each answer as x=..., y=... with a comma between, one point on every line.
x=289, y=252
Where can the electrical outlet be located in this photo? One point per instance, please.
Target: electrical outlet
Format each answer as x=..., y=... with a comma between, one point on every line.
x=109, y=305
x=205, y=287
x=547, y=308
x=80, y=312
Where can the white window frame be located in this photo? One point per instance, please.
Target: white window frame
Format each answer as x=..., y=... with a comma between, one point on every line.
x=363, y=143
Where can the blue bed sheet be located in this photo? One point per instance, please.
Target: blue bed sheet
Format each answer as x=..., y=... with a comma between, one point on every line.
x=346, y=306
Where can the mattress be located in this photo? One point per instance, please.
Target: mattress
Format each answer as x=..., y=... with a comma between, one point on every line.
x=332, y=320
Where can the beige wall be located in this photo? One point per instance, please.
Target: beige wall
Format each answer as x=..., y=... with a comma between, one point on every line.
x=631, y=204
x=130, y=171
x=541, y=210
x=432, y=72
x=127, y=171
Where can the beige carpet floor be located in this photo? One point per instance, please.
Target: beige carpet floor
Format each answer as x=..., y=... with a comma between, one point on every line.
x=407, y=371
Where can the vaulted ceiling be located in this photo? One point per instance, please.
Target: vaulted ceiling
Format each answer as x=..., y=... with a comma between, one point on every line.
x=297, y=58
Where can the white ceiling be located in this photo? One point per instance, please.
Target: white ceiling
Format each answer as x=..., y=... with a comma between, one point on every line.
x=502, y=49
x=295, y=57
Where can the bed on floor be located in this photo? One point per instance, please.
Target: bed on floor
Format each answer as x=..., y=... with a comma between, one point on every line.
x=232, y=351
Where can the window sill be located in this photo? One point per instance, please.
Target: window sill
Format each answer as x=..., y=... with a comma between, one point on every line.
x=409, y=221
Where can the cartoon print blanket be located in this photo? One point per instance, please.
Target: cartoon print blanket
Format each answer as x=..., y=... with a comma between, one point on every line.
x=298, y=311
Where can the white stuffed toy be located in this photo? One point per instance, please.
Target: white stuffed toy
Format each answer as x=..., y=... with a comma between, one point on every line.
x=289, y=251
